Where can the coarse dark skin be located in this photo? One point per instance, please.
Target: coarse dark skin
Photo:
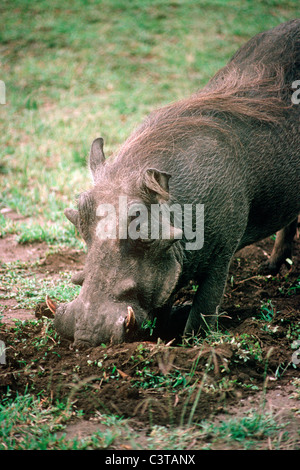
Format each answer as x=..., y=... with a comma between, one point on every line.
x=233, y=147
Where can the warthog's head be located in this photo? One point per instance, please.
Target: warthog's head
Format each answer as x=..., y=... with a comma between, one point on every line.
x=128, y=276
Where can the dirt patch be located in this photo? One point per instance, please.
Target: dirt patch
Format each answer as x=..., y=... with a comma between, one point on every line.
x=156, y=384
x=67, y=259
x=10, y=214
x=41, y=261
x=11, y=250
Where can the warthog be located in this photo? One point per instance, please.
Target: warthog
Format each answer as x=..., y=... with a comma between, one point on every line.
x=230, y=151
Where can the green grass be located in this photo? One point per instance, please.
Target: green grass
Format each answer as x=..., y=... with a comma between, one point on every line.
x=245, y=429
x=28, y=423
x=267, y=311
x=29, y=290
x=81, y=69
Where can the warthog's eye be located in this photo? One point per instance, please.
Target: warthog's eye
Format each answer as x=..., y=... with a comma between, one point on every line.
x=139, y=246
x=127, y=290
x=138, y=221
x=128, y=294
x=148, y=241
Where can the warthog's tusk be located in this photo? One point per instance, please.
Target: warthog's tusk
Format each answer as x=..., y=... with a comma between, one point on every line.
x=51, y=305
x=129, y=320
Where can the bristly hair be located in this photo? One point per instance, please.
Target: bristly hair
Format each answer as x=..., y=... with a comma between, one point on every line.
x=256, y=96
x=254, y=86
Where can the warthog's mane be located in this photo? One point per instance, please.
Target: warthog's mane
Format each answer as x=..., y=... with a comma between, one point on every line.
x=257, y=96
x=253, y=89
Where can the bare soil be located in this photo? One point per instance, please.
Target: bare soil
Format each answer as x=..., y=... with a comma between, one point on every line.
x=157, y=384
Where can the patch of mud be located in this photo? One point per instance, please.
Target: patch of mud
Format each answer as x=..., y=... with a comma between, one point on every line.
x=150, y=382
x=11, y=250
x=172, y=385
x=10, y=214
x=67, y=259
x=12, y=312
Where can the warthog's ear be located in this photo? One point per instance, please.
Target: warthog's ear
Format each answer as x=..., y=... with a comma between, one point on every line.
x=97, y=157
x=157, y=183
x=72, y=216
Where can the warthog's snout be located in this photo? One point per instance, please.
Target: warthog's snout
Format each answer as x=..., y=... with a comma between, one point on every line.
x=77, y=322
